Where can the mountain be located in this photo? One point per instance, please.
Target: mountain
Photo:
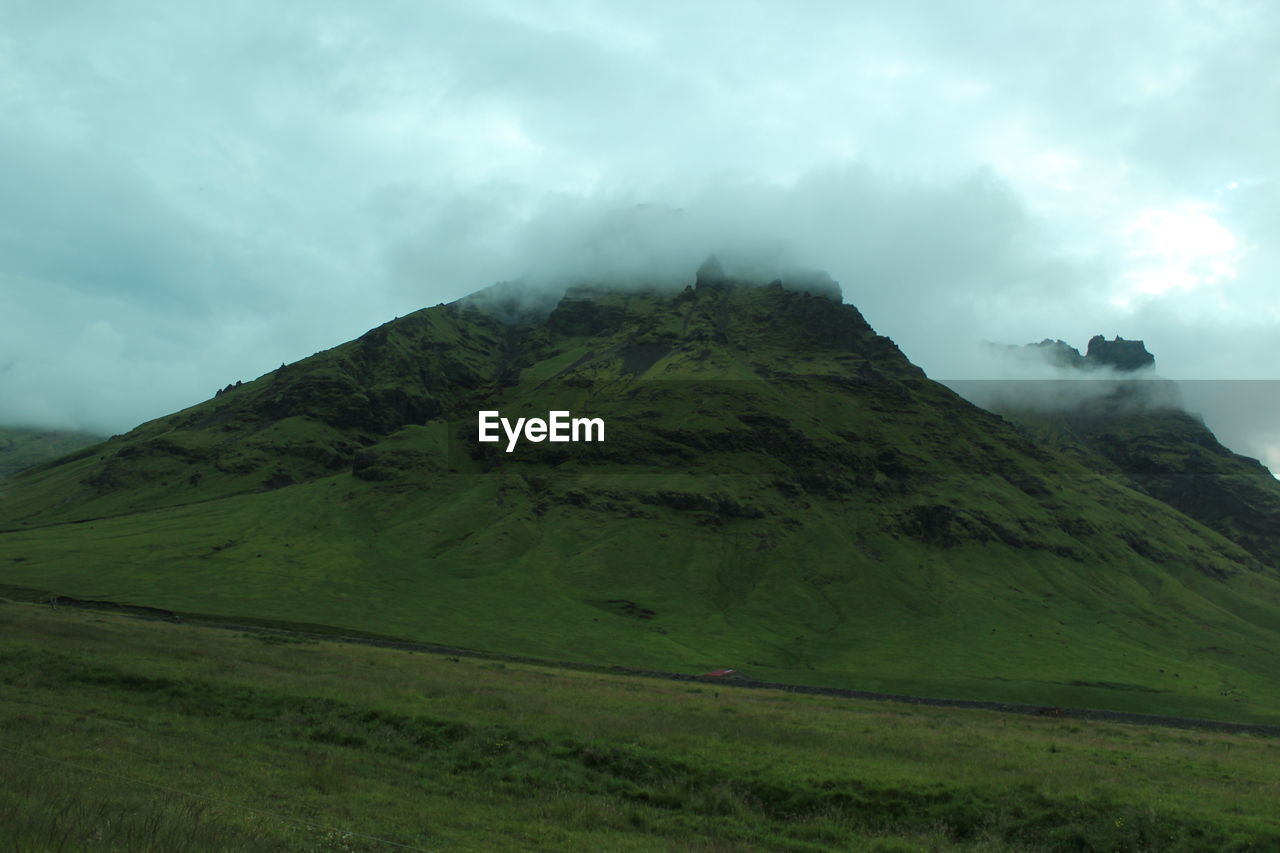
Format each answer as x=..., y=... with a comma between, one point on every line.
x=779, y=491
x=24, y=447
x=1100, y=354
x=1137, y=429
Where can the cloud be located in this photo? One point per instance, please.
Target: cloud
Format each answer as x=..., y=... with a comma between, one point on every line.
x=225, y=190
x=965, y=246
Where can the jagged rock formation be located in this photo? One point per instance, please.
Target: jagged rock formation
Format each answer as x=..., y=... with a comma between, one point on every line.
x=1117, y=354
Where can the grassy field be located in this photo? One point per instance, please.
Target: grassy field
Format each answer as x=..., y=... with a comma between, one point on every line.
x=125, y=735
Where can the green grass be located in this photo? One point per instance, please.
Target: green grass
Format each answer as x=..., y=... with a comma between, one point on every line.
x=22, y=448
x=973, y=621
x=120, y=734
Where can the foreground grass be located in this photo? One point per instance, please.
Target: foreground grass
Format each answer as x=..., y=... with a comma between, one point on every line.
x=125, y=735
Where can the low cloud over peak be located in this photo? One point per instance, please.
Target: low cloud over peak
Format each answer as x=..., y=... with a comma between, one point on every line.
x=194, y=197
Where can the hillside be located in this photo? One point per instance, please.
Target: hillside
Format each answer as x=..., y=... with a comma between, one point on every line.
x=780, y=491
x=24, y=447
x=1137, y=429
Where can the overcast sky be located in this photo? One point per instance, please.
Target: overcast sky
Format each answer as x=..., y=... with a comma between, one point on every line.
x=191, y=194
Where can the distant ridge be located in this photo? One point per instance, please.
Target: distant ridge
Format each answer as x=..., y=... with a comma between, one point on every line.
x=26, y=447
x=1139, y=431
x=1116, y=354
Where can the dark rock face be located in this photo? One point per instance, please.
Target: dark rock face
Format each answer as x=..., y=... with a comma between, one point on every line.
x=813, y=282
x=1118, y=354
x=1058, y=353
x=580, y=314
x=710, y=273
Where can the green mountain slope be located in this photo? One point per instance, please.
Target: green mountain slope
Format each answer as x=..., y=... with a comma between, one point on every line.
x=1138, y=431
x=24, y=447
x=780, y=491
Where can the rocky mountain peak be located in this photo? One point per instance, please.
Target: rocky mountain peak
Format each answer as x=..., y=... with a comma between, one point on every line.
x=710, y=273
x=1118, y=354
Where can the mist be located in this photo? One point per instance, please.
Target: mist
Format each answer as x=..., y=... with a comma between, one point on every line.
x=1244, y=414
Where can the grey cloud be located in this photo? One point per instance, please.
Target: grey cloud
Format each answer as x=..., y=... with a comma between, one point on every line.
x=224, y=190
x=966, y=248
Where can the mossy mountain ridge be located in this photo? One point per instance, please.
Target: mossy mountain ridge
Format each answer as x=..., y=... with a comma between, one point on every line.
x=780, y=490
x=347, y=409
x=1139, y=431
